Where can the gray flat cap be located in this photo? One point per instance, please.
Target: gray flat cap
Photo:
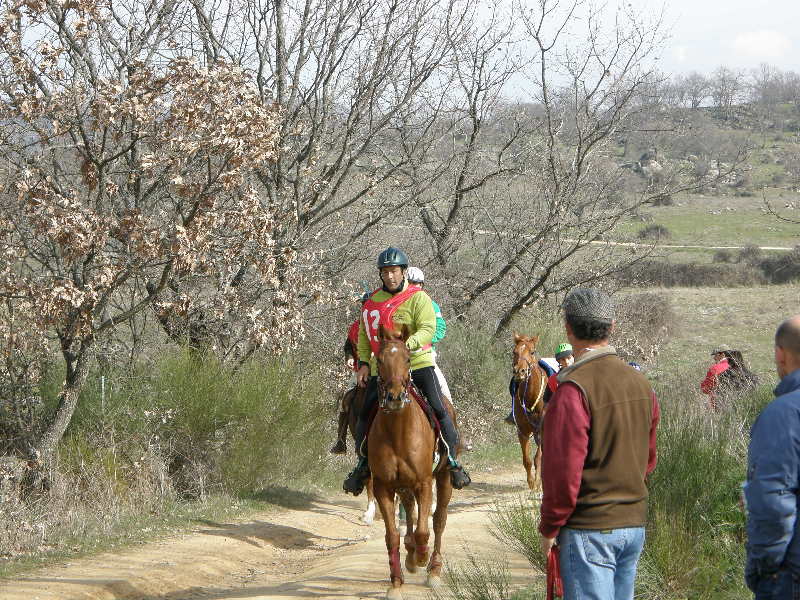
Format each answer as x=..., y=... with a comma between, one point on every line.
x=589, y=303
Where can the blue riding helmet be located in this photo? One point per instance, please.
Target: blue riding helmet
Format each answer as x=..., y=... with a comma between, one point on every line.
x=392, y=257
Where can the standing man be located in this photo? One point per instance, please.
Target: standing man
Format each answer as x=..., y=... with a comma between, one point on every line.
x=773, y=476
x=600, y=432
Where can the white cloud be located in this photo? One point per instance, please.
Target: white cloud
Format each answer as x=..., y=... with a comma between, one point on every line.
x=763, y=44
x=680, y=53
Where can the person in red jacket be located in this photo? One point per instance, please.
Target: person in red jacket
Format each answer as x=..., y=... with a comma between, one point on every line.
x=709, y=384
x=600, y=445
x=351, y=352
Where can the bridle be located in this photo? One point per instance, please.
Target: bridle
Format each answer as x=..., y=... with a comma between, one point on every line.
x=527, y=372
x=384, y=397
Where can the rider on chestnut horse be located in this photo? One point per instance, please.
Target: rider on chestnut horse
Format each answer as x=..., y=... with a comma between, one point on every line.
x=396, y=304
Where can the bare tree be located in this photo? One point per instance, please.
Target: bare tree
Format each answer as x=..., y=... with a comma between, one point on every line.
x=697, y=87
x=349, y=77
x=128, y=165
x=727, y=87
x=535, y=223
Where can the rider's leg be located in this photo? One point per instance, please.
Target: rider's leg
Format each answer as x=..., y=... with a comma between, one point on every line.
x=354, y=483
x=425, y=380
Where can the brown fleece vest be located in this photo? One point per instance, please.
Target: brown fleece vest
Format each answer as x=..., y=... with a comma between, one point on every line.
x=613, y=493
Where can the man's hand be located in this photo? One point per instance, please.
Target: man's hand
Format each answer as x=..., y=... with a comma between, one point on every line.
x=362, y=376
x=350, y=363
x=545, y=544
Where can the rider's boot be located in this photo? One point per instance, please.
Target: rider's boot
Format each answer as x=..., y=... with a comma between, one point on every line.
x=510, y=418
x=458, y=476
x=354, y=484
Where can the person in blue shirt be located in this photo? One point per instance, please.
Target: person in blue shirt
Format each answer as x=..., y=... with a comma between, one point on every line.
x=772, y=489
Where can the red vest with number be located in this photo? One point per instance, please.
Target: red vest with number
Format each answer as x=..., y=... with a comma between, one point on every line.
x=376, y=314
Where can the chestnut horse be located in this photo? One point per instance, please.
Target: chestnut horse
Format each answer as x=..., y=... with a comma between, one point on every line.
x=531, y=381
x=401, y=448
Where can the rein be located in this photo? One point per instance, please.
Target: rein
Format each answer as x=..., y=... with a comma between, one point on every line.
x=525, y=410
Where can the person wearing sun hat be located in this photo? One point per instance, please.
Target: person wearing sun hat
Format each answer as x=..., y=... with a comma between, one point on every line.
x=720, y=365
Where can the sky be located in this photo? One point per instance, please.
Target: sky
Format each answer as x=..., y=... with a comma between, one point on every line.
x=738, y=34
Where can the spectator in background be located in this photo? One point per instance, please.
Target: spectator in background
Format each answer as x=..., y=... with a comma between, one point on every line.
x=772, y=488
x=720, y=365
x=600, y=435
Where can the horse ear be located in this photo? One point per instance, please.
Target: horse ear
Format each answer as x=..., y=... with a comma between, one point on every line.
x=382, y=332
x=517, y=337
x=534, y=340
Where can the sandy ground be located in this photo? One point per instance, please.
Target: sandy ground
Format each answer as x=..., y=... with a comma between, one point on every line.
x=317, y=550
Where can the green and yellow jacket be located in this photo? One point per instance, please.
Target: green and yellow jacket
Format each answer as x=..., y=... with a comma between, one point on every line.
x=418, y=315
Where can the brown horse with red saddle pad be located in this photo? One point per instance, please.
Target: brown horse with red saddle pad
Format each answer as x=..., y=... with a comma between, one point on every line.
x=531, y=382
x=401, y=446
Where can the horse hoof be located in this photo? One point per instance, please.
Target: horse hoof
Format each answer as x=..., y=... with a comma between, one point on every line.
x=411, y=565
x=367, y=519
x=434, y=581
x=393, y=593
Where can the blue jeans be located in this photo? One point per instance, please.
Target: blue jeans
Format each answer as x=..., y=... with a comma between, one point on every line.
x=599, y=565
x=783, y=585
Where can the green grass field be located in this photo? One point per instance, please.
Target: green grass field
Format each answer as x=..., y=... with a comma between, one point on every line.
x=723, y=221
x=743, y=318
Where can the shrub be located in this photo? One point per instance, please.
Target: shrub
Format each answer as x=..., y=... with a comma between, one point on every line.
x=662, y=273
x=664, y=199
x=750, y=254
x=654, y=232
x=644, y=323
x=784, y=268
x=723, y=256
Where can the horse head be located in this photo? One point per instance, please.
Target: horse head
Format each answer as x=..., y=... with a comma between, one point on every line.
x=524, y=356
x=394, y=362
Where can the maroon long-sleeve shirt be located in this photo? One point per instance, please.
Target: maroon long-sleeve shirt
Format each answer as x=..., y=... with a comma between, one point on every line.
x=566, y=431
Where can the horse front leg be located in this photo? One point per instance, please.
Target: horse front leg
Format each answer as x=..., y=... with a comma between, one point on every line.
x=424, y=495
x=444, y=491
x=385, y=498
x=408, y=504
x=525, y=444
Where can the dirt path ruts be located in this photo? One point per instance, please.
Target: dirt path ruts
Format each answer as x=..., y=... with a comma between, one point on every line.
x=317, y=550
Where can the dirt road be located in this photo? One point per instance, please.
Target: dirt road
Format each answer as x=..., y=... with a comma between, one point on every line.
x=317, y=549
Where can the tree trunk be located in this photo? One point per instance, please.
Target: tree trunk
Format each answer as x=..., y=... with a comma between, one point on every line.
x=77, y=367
